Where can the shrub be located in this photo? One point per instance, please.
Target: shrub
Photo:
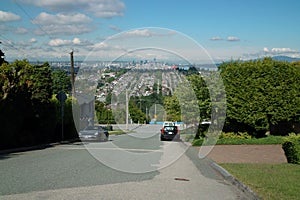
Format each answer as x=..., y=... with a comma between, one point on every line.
x=239, y=135
x=237, y=141
x=198, y=142
x=291, y=147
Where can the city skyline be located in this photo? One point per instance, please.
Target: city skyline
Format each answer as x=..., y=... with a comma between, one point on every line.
x=50, y=29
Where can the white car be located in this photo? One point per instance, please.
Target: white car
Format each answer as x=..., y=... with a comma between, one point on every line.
x=169, y=124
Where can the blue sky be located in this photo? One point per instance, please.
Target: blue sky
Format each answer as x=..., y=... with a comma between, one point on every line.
x=49, y=29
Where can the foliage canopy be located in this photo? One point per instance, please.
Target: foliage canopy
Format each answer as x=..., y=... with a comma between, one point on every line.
x=261, y=93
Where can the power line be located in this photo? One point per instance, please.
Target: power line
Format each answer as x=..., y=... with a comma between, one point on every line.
x=38, y=25
x=9, y=45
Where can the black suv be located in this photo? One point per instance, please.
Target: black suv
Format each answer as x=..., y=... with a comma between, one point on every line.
x=169, y=133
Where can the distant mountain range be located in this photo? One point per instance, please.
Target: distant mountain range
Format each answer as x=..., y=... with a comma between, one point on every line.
x=285, y=58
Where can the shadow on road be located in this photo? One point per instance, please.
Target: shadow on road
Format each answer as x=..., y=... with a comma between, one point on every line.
x=6, y=156
x=203, y=164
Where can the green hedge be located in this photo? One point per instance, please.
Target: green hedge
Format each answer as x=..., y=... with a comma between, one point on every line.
x=240, y=138
x=291, y=147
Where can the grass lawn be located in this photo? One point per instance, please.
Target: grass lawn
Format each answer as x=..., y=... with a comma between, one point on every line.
x=269, y=181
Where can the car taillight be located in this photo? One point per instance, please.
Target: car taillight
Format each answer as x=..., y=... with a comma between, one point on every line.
x=162, y=131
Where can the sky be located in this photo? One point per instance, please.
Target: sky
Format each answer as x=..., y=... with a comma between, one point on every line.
x=196, y=30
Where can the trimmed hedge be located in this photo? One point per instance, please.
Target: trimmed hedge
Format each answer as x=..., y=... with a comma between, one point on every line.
x=291, y=147
x=240, y=138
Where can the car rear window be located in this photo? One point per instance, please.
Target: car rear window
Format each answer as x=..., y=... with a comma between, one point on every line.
x=170, y=128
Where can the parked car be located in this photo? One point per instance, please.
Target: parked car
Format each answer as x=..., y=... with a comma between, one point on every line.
x=168, y=124
x=169, y=133
x=94, y=133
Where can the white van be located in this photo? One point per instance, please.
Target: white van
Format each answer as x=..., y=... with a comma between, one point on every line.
x=169, y=124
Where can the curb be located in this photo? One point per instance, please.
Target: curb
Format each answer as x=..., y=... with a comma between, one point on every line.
x=36, y=147
x=231, y=179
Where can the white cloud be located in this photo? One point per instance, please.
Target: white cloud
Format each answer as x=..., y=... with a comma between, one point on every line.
x=266, y=49
x=32, y=40
x=100, y=45
x=283, y=50
x=103, y=46
x=22, y=44
x=106, y=8
x=217, y=38
x=21, y=30
x=233, y=39
x=68, y=24
x=229, y=39
x=99, y=8
x=56, y=5
x=279, y=51
x=8, y=16
x=273, y=52
x=63, y=30
x=45, y=18
x=76, y=41
x=141, y=33
x=115, y=28
x=60, y=42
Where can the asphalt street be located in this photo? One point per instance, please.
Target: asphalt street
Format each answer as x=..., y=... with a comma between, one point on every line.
x=132, y=166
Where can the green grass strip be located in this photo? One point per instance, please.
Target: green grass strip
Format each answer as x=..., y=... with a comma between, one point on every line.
x=269, y=181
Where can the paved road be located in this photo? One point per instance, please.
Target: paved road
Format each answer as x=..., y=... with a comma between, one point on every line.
x=133, y=166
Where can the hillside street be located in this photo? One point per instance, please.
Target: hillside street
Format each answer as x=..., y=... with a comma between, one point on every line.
x=73, y=171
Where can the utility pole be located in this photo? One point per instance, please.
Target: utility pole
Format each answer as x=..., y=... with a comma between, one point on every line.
x=157, y=86
x=127, y=110
x=146, y=113
x=61, y=96
x=72, y=74
x=155, y=110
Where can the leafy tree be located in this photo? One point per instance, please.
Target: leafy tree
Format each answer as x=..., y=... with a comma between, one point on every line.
x=189, y=71
x=40, y=89
x=108, y=98
x=157, y=87
x=172, y=108
x=71, y=118
x=26, y=111
x=261, y=94
x=201, y=91
x=61, y=81
x=136, y=114
x=104, y=115
x=110, y=79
